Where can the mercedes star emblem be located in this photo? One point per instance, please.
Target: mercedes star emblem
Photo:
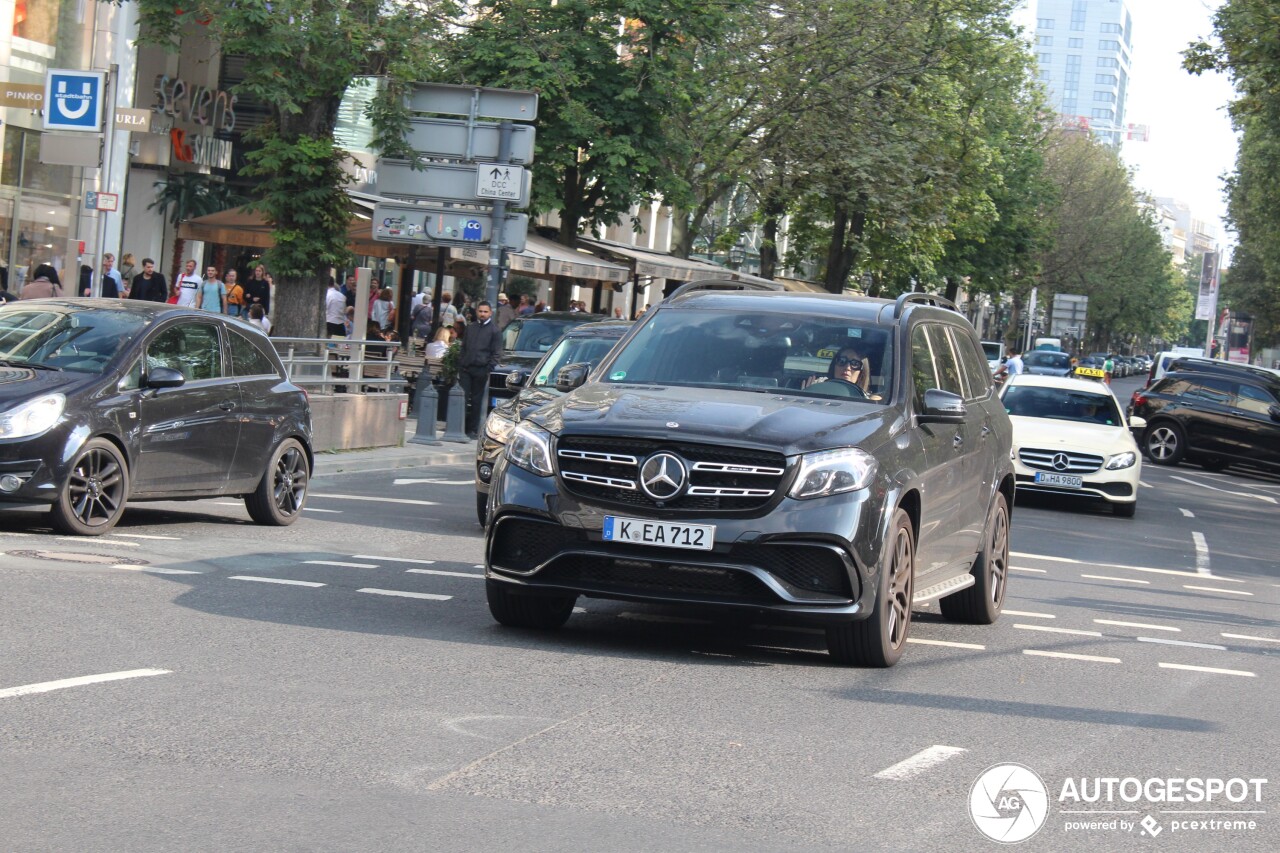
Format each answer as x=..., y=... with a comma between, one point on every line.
x=1061, y=462
x=662, y=476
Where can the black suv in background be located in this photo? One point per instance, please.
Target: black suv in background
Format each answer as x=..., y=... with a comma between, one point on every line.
x=828, y=460
x=527, y=339
x=1212, y=412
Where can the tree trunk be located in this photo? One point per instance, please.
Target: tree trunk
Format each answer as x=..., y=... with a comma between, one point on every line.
x=175, y=269
x=953, y=288
x=297, y=307
x=847, y=225
x=773, y=211
x=681, y=233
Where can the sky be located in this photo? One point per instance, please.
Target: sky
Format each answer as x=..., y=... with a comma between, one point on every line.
x=1192, y=144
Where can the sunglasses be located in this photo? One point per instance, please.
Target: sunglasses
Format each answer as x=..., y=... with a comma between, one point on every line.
x=841, y=361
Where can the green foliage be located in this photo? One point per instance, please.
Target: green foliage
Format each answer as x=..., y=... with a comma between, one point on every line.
x=449, y=364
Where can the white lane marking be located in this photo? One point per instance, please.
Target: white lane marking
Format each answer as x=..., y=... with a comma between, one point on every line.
x=1048, y=629
x=1241, y=672
x=1202, y=552
x=339, y=564
x=156, y=571
x=946, y=643
x=478, y=566
x=579, y=610
x=374, y=499
x=414, y=482
x=1069, y=656
x=1198, y=484
x=273, y=580
x=1145, y=484
x=46, y=686
x=16, y=533
x=1215, y=589
x=657, y=617
x=1249, y=637
x=1147, y=625
x=1029, y=614
x=317, y=509
x=1120, y=580
x=402, y=594
x=227, y=503
x=146, y=536
x=925, y=759
x=393, y=559
x=1024, y=569
x=1147, y=569
x=1188, y=513
x=1186, y=643
x=99, y=541
x=443, y=573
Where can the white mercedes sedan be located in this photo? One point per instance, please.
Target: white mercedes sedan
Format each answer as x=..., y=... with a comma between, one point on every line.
x=1071, y=438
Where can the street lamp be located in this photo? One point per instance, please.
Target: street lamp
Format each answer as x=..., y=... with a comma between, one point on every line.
x=737, y=254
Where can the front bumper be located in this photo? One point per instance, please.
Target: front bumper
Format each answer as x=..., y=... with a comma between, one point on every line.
x=488, y=452
x=1119, y=486
x=38, y=465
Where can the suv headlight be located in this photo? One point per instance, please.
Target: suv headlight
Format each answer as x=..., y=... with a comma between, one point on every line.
x=830, y=472
x=32, y=417
x=530, y=449
x=498, y=428
x=1122, y=460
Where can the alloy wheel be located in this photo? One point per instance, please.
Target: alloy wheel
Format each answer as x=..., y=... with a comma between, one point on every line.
x=998, y=561
x=290, y=486
x=900, y=572
x=1163, y=443
x=96, y=488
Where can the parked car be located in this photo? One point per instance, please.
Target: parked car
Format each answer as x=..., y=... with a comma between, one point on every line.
x=825, y=459
x=1070, y=439
x=581, y=345
x=1047, y=363
x=525, y=340
x=994, y=351
x=105, y=402
x=1160, y=362
x=1212, y=415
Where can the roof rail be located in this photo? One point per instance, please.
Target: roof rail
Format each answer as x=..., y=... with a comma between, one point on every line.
x=721, y=284
x=905, y=299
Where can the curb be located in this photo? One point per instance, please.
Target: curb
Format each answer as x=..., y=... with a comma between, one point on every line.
x=327, y=465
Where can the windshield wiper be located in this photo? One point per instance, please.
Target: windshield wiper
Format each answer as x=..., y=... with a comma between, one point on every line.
x=6, y=362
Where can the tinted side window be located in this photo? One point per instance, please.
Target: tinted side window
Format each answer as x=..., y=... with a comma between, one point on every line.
x=977, y=376
x=191, y=348
x=945, y=358
x=1172, y=387
x=1216, y=391
x=247, y=359
x=1254, y=399
x=922, y=371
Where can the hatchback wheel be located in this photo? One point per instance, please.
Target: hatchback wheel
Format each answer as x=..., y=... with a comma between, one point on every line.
x=92, y=499
x=1165, y=443
x=879, y=639
x=981, y=603
x=282, y=491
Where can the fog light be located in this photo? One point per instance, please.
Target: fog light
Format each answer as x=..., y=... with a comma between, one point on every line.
x=10, y=483
x=486, y=471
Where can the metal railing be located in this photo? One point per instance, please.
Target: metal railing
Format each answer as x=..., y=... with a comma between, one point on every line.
x=342, y=365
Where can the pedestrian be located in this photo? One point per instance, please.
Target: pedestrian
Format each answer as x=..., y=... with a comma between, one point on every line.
x=335, y=309
x=1107, y=367
x=258, y=317
x=257, y=290
x=481, y=349
x=526, y=306
x=128, y=269
x=349, y=290
x=382, y=311
x=235, y=295
x=44, y=284
x=188, y=285
x=617, y=313
x=440, y=344
x=149, y=284
x=112, y=284
x=540, y=307
x=420, y=320
x=86, y=280
x=1012, y=365
x=5, y=295
x=448, y=314
x=212, y=295
x=505, y=313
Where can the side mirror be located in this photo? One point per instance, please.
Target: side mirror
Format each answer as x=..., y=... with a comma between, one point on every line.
x=164, y=377
x=572, y=376
x=942, y=407
x=517, y=378
x=1136, y=422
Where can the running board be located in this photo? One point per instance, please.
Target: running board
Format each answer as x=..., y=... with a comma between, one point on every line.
x=942, y=589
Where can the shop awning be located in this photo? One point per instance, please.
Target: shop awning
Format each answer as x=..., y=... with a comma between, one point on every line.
x=242, y=227
x=546, y=258
x=650, y=264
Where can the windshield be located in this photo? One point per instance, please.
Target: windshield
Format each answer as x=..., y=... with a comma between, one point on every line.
x=83, y=340
x=1030, y=401
x=794, y=354
x=1047, y=359
x=570, y=351
x=537, y=335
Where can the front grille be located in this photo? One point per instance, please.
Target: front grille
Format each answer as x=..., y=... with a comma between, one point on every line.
x=808, y=567
x=720, y=478
x=1042, y=460
x=626, y=574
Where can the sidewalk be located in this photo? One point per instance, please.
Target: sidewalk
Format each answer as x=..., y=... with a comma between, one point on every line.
x=393, y=458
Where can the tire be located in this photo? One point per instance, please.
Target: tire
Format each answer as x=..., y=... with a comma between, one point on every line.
x=92, y=499
x=482, y=508
x=1125, y=510
x=282, y=492
x=516, y=610
x=1214, y=463
x=1165, y=443
x=981, y=603
x=879, y=639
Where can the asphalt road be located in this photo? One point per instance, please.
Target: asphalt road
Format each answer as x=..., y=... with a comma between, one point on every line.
x=339, y=685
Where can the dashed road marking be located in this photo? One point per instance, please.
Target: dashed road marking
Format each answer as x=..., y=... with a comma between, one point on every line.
x=1266, y=498
x=402, y=594
x=1069, y=656
x=579, y=610
x=274, y=580
x=923, y=642
x=1077, y=632
x=317, y=509
x=1146, y=569
x=99, y=541
x=1025, y=569
x=1216, y=589
x=922, y=761
x=340, y=564
x=414, y=482
x=46, y=686
x=1249, y=637
x=1145, y=485
x=1029, y=614
x=1186, y=643
x=155, y=570
x=1145, y=625
x=443, y=573
x=1240, y=672
x=374, y=499
x=1119, y=580
x=393, y=559
x=146, y=536
x=1186, y=512
x=1202, y=552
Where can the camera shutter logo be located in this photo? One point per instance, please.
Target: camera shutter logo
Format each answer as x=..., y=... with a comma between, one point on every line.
x=1008, y=803
x=73, y=100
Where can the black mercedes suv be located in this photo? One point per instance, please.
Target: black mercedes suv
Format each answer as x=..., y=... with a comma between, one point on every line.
x=823, y=459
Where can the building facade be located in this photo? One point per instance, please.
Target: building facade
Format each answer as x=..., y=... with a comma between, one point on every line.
x=1084, y=49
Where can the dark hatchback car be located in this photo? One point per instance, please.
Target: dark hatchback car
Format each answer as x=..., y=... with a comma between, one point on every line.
x=821, y=459
x=1217, y=415
x=1047, y=363
x=105, y=401
x=525, y=340
x=581, y=346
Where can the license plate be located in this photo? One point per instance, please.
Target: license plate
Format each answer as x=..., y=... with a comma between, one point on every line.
x=666, y=534
x=1070, y=481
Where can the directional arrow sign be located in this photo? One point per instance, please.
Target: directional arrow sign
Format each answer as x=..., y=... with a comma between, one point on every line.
x=450, y=182
x=447, y=138
x=435, y=225
x=501, y=181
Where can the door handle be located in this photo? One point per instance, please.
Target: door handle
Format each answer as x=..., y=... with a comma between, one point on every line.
x=226, y=405
x=986, y=430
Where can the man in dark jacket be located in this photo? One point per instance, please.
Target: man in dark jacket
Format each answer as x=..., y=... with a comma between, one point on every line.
x=481, y=349
x=149, y=284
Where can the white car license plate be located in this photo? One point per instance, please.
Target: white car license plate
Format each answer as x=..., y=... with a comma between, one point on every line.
x=1070, y=481
x=698, y=537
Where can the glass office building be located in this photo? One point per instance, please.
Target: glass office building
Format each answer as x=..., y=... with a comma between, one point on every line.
x=1084, y=49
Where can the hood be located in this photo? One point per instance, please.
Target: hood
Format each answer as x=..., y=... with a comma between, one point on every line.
x=529, y=400
x=768, y=420
x=19, y=384
x=1070, y=435
x=511, y=360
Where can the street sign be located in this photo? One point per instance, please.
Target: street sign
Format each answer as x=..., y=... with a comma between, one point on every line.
x=501, y=181
x=435, y=225
x=451, y=100
x=459, y=183
x=447, y=138
x=73, y=99
x=101, y=201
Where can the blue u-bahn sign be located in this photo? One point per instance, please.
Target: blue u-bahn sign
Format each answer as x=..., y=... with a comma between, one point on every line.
x=73, y=100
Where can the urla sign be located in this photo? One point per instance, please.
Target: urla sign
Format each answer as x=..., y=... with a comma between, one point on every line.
x=209, y=107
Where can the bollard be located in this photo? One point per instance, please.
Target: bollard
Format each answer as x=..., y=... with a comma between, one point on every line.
x=455, y=420
x=426, y=403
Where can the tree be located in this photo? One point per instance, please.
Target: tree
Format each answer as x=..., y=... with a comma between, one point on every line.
x=186, y=196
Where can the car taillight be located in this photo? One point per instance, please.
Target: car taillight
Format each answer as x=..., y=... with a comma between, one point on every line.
x=1139, y=399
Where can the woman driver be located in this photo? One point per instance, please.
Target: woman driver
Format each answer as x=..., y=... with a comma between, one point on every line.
x=848, y=366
